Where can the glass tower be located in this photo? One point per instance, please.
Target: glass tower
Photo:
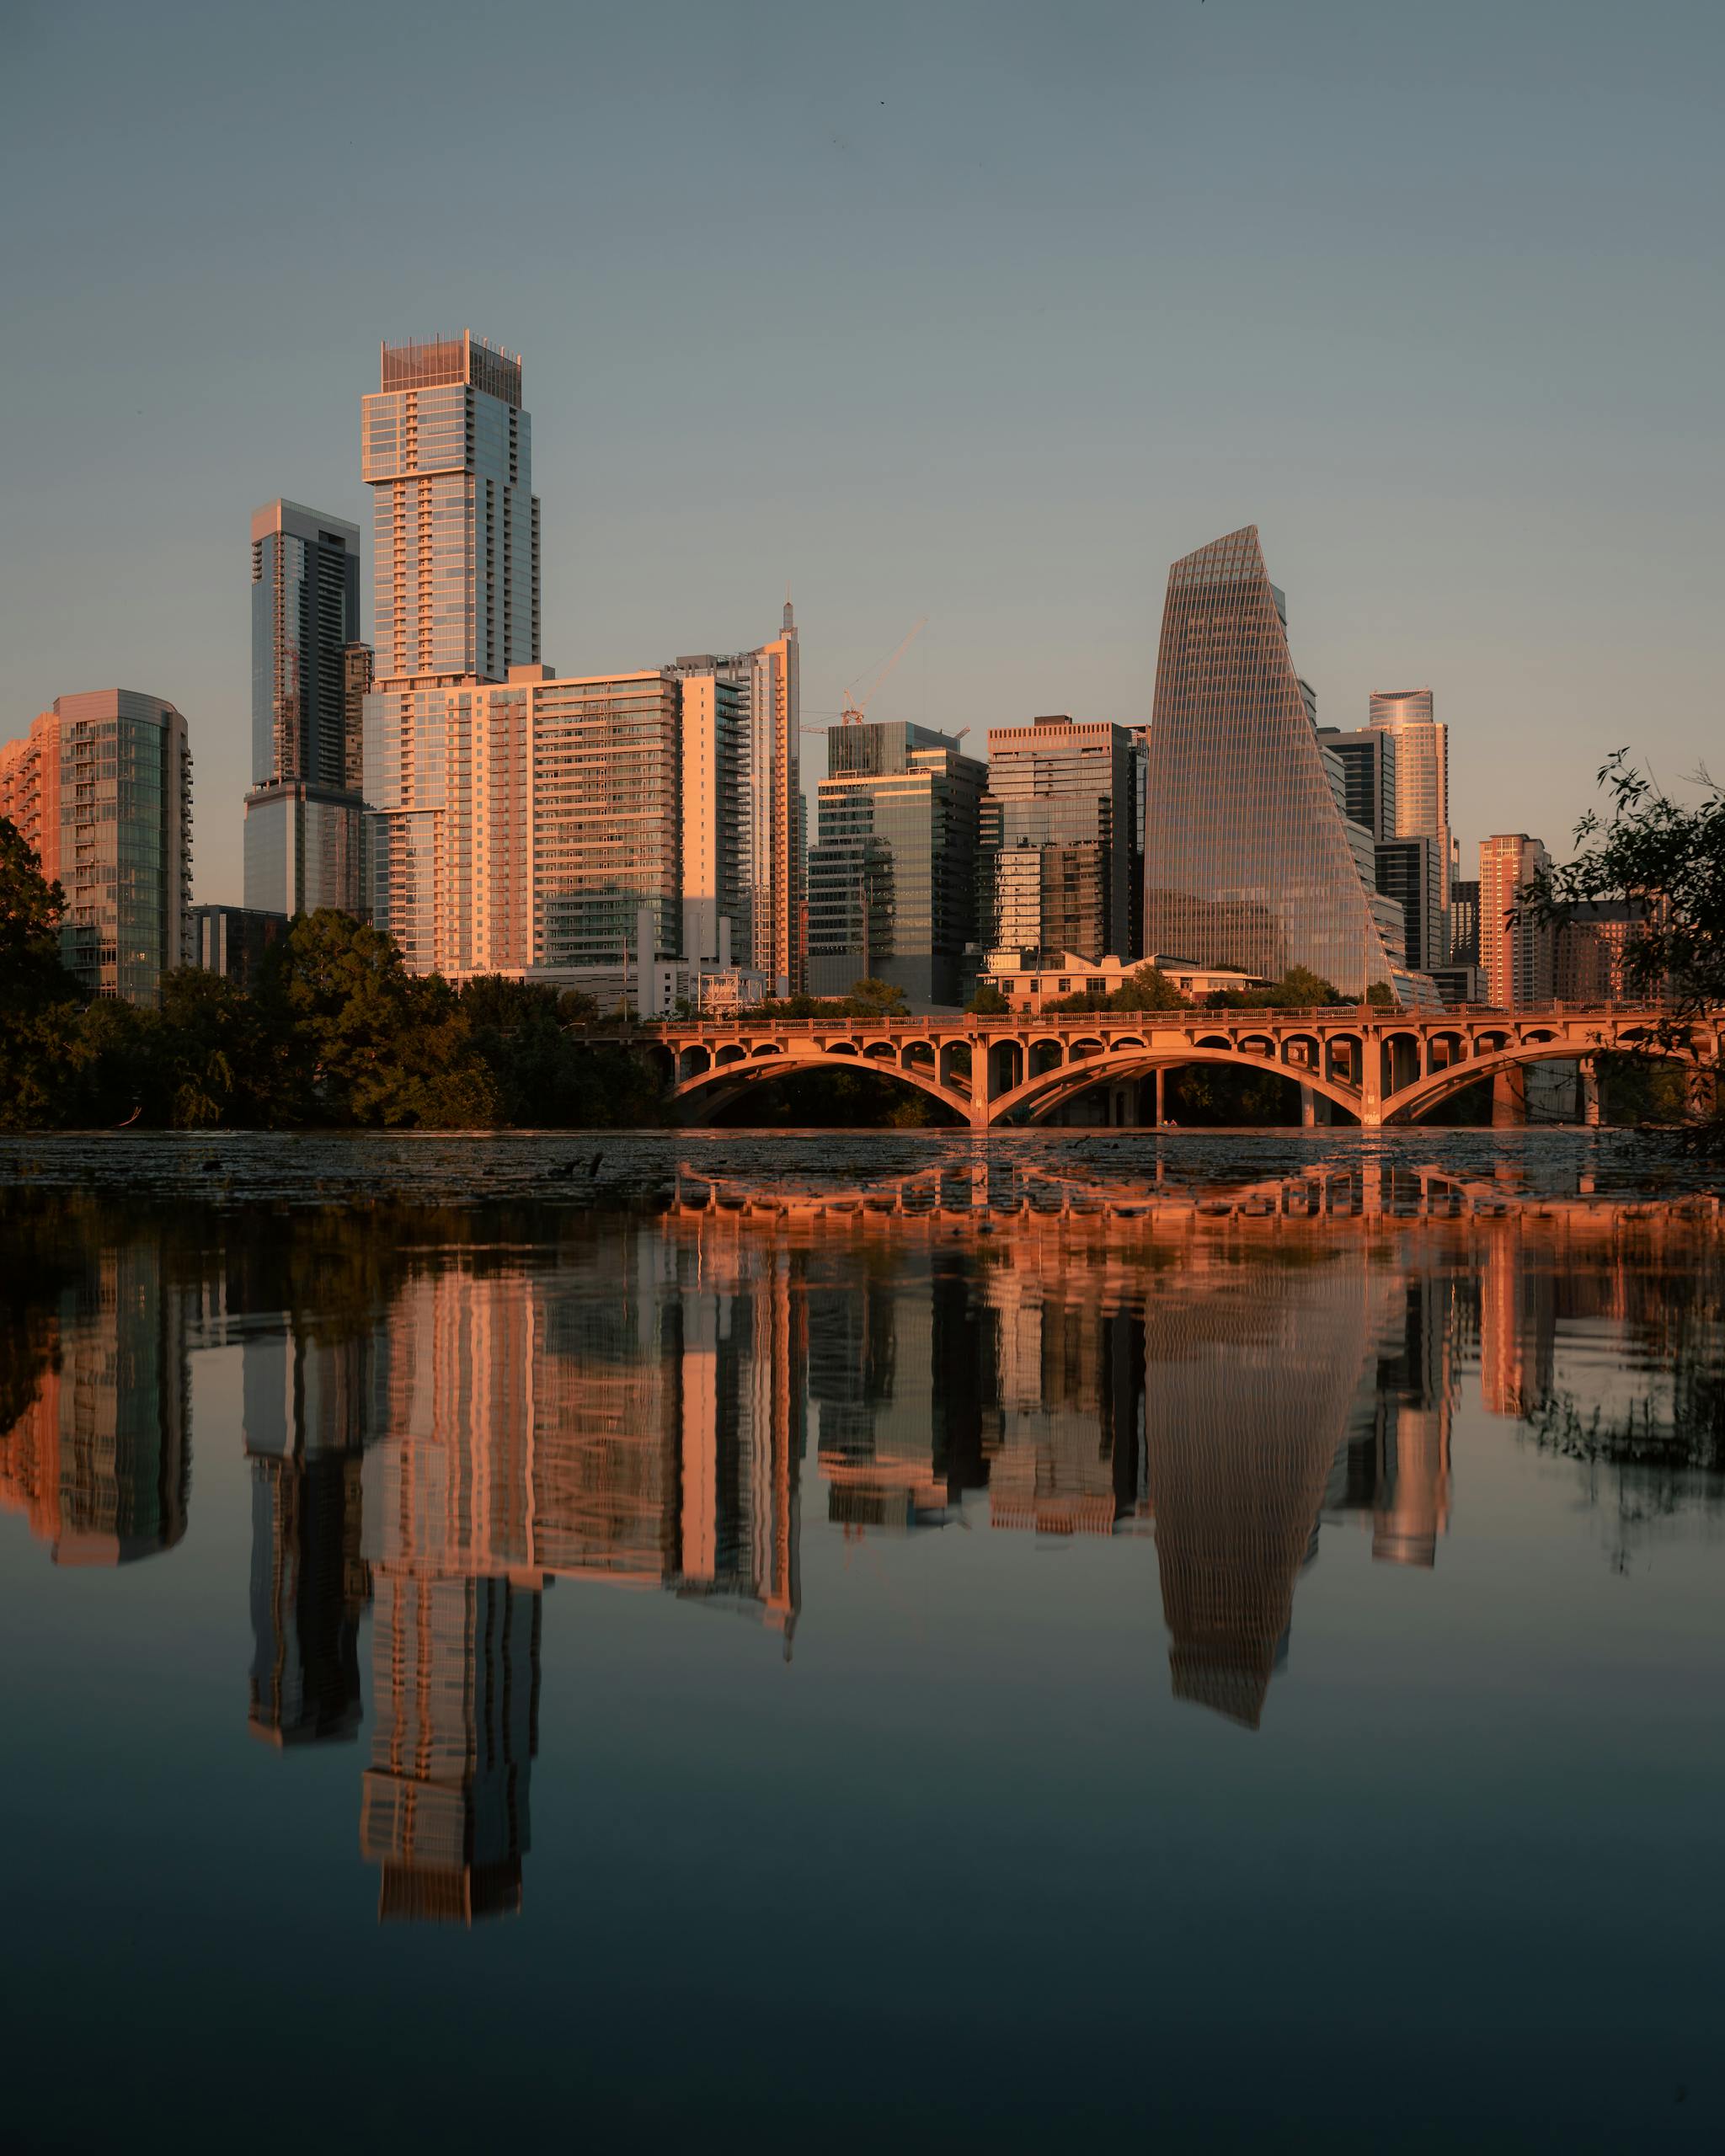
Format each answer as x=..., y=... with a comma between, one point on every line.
x=446, y=450
x=892, y=877
x=101, y=790
x=1249, y=862
x=1421, y=793
x=305, y=820
x=1060, y=867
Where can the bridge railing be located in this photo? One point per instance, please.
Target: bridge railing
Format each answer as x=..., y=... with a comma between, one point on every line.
x=1194, y=1015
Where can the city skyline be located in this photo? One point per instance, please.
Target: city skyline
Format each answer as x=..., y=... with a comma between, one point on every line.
x=1020, y=484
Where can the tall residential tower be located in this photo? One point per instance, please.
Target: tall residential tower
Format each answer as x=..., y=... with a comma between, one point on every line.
x=455, y=523
x=101, y=790
x=304, y=828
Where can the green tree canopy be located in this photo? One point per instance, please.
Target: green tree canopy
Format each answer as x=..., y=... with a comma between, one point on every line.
x=31, y=975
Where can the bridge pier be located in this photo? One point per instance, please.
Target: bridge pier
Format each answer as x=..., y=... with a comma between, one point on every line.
x=1509, y=1098
x=1590, y=1071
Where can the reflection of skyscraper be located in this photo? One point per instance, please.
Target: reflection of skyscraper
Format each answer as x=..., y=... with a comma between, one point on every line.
x=1396, y=1463
x=1249, y=860
x=454, y=1694
x=1518, y=1323
x=1056, y=1468
x=303, y=1432
x=742, y=1403
x=1247, y=1388
x=100, y=1459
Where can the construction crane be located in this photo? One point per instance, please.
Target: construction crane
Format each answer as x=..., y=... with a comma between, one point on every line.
x=853, y=712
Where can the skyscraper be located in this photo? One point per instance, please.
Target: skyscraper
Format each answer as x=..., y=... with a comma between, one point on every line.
x=304, y=828
x=1517, y=953
x=1421, y=795
x=1060, y=868
x=892, y=876
x=1249, y=861
x=455, y=522
x=1367, y=756
x=1411, y=870
x=758, y=825
x=101, y=790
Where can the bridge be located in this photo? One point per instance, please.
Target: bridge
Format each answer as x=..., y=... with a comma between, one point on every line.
x=1361, y=1065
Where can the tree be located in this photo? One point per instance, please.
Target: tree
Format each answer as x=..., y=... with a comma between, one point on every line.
x=988, y=1002
x=1299, y=989
x=1666, y=858
x=877, y=999
x=371, y=1043
x=1147, y=987
x=32, y=977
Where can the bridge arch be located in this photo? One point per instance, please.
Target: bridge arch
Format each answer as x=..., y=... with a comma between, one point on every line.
x=709, y=1090
x=1411, y=1102
x=1047, y=1090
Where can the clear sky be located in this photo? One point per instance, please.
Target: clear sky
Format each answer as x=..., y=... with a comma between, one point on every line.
x=985, y=311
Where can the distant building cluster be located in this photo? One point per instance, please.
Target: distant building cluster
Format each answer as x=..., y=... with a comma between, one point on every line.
x=643, y=834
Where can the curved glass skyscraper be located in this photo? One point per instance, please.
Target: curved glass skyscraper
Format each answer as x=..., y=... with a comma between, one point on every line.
x=1248, y=862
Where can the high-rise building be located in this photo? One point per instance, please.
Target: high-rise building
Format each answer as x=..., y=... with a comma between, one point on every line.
x=1464, y=921
x=1411, y=872
x=447, y=453
x=746, y=806
x=101, y=789
x=1589, y=949
x=1516, y=952
x=1367, y=756
x=305, y=821
x=1421, y=773
x=1421, y=791
x=527, y=822
x=1060, y=864
x=892, y=875
x=1249, y=860
x=233, y=940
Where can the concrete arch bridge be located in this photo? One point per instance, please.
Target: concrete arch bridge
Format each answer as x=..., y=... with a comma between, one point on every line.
x=1364, y=1065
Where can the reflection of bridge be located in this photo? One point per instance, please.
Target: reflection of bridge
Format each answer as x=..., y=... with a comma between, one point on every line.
x=951, y=1195
x=1362, y=1065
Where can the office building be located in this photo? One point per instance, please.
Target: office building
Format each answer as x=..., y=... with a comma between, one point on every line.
x=1590, y=947
x=447, y=453
x=1422, y=757
x=755, y=791
x=1411, y=872
x=1517, y=953
x=233, y=940
x=1420, y=788
x=1250, y=863
x=1464, y=921
x=1061, y=869
x=892, y=874
x=305, y=821
x=1367, y=756
x=101, y=790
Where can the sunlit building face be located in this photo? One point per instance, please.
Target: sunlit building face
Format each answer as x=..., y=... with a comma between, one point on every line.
x=1248, y=862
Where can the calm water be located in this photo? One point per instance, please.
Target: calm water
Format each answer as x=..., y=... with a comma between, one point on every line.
x=1040, y=1642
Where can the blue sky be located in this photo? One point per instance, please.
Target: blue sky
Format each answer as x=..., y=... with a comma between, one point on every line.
x=980, y=311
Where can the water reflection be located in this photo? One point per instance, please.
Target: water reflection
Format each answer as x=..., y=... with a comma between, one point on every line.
x=447, y=1411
